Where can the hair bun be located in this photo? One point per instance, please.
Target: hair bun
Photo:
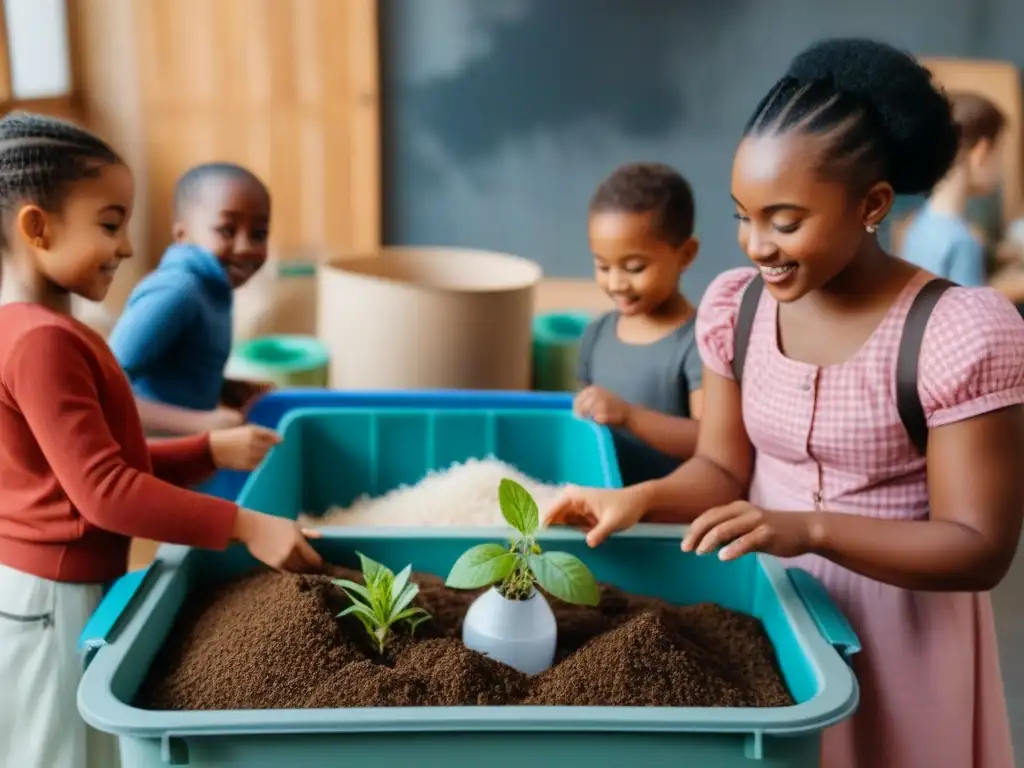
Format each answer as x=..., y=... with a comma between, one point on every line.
x=915, y=117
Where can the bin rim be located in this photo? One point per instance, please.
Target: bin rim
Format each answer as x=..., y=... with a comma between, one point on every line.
x=836, y=700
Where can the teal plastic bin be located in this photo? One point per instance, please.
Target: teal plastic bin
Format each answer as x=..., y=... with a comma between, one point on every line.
x=331, y=457
x=810, y=636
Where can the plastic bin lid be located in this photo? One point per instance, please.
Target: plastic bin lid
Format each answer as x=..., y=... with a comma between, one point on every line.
x=561, y=327
x=284, y=352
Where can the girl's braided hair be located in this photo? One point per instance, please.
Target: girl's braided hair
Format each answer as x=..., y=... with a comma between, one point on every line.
x=40, y=156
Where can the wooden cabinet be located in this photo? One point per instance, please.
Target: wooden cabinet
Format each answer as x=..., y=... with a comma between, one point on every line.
x=288, y=88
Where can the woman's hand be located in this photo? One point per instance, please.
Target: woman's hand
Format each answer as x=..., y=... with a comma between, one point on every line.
x=242, y=447
x=741, y=528
x=597, y=511
x=277, y=542
x=601, y=406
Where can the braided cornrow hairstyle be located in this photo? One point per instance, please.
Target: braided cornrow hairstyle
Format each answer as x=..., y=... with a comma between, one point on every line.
x=40, y=156
x=647, y=188
x=877, y=107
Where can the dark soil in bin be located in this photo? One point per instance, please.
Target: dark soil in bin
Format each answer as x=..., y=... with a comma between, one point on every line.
x=272, y=641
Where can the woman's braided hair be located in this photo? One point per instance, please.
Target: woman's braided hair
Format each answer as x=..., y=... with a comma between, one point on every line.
x=40, y=156
x=877, y=108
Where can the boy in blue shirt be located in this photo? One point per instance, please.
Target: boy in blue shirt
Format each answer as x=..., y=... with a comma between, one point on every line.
x=939, y=239
x=174, y=337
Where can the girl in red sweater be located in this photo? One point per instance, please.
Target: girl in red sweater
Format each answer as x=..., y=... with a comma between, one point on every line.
x=77, y=477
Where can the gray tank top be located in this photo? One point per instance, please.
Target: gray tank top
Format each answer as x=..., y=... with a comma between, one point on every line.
x=659, y=376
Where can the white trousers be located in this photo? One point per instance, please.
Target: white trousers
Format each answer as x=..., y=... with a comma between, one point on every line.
x=40, y=621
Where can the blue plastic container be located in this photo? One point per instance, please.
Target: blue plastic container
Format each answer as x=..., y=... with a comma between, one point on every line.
x=809, y=634
x=331, y=456
x=272, y=407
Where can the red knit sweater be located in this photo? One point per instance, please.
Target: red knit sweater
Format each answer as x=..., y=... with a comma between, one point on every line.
x=77, y=478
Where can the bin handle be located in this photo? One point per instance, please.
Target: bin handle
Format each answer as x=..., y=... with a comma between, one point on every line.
x=826, y=614
x=174, y=750
x=113, y=611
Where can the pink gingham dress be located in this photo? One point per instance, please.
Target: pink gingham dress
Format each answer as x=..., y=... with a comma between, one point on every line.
x=931, y=690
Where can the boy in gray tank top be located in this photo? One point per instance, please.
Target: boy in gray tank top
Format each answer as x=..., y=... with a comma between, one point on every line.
x=639, y=367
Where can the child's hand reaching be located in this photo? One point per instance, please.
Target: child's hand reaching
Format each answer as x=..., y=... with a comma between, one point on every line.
x=601, y=406
x=242, y=447
x=277, y=542
x=222, y=418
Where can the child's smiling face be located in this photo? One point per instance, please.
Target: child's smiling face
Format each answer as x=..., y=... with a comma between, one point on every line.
x=79, y=247
x=633, y=263
x=231, y=218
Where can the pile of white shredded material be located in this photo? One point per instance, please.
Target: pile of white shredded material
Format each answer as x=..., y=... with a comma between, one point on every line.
x=461, y=495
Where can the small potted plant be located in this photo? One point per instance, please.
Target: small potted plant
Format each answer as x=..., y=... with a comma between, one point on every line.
x=383, y=601
x=512, y=622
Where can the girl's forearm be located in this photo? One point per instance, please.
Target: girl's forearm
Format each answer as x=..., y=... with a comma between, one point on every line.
x=171, y=419
x=927, y=555
x=697, y=486
x=672, y=435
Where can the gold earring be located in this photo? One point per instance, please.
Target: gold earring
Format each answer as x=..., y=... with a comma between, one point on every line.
x=871, y=228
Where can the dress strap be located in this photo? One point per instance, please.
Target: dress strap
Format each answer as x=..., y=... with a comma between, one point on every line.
x=908, y=399
x=745, y=324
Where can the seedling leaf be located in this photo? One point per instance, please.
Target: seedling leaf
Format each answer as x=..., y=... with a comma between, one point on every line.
x=383, y=601
x=411, y=590
x=398, y=585
x=414, y=617
x=359, y=609
x=410, y=613
x=371, y=568
x=481, y=566
x=566, y=577
x=518, y=507
x=351, y=586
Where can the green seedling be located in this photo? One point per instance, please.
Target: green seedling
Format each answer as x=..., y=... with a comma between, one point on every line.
x=516, y=568
x=383, y=601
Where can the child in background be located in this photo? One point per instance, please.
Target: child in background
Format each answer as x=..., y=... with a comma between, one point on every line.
x=77, y=478
x=939, y=238
x=174, y=337
x=638, y=364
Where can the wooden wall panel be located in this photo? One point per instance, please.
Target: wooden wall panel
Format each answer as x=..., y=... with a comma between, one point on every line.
x=106, y=79
x=288, y=88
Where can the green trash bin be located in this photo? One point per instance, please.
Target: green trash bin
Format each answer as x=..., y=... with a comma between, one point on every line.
x=283, y=360
x=556, y=340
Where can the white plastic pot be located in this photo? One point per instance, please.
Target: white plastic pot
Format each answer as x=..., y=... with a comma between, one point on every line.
x=520, y=633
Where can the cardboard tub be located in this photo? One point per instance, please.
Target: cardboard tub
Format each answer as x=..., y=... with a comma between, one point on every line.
x=428, y=318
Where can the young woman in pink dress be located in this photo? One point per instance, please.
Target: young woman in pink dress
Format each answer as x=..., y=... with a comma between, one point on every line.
x=908, y=546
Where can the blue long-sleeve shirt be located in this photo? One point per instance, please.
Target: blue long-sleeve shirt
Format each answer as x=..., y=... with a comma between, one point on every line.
x=174, y=337
x=944, y=245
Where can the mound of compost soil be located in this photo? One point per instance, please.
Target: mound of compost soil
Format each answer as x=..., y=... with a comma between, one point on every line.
x=270, y=640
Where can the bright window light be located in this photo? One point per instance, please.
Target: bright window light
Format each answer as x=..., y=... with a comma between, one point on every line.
x=37, y=41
